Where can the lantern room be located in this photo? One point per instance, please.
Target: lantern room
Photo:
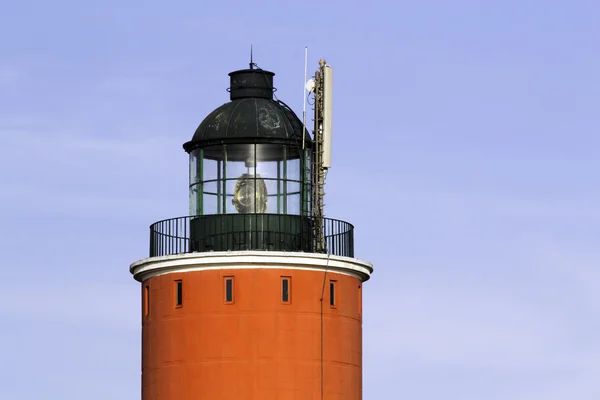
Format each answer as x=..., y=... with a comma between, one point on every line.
x=250, y=182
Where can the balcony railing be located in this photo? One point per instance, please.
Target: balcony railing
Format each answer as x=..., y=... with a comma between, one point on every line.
x=235, y=232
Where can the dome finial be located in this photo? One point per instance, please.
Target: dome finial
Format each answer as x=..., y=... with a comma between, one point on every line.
x=252, y=64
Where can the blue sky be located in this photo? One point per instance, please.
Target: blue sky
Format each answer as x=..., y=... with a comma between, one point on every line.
x=465, y=153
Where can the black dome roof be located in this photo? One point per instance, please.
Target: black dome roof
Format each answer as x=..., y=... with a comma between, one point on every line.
x=251, y=116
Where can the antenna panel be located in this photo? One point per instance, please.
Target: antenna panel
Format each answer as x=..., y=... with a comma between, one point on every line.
x=327, y=94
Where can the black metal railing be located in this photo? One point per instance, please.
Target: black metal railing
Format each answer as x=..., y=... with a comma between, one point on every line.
x=232, y=232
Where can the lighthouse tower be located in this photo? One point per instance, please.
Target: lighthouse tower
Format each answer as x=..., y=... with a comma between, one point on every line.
x=254, y=295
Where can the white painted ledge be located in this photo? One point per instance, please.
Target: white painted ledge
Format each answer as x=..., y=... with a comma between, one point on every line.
x=154, y=266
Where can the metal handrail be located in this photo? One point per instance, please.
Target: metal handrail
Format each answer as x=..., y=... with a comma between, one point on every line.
x=263, y=232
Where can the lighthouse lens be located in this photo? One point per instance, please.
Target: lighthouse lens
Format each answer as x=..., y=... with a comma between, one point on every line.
x=250, y=194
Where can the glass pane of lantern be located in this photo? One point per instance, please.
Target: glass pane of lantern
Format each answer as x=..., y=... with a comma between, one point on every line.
x=293, y=170
x=211, y=194
x=209, y=170
x=267, y=157
x=293, y=198
x=240, y=159
x=195, y=199
x=293, y=204
x=273, y=198
x=210, y=204
x=229, y=207
x=213, y=157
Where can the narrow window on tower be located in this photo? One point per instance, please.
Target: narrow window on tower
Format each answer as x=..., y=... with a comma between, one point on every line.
x=229, y=290
x=332, y=299
x=178, y=293
x=146, y=300
x=286, y=289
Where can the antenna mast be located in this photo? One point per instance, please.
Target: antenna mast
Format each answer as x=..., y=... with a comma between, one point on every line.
x=322, y=147
x=304, y=97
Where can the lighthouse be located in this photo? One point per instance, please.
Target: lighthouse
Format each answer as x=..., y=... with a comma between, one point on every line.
x=256, y=294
